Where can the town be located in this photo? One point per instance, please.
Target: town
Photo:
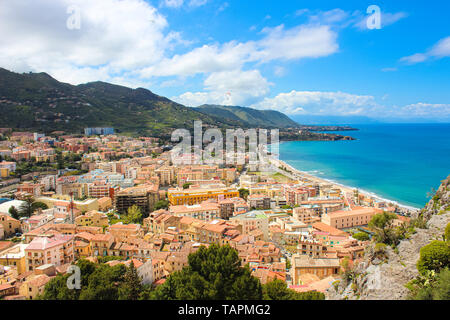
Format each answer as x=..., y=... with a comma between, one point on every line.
x=116, y=199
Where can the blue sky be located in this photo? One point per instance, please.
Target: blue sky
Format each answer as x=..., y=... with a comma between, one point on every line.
x=298, y=57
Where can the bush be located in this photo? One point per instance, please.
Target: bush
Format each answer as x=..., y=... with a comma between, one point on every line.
x=434, y=256
x=361, y=236
x=447, y=233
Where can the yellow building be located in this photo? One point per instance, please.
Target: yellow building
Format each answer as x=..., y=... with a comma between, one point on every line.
x=92, y=218
x=14, y=256
x=10, y=225
x=4, y=172
x=320, y=267
x=34, y=286
x=197, y=196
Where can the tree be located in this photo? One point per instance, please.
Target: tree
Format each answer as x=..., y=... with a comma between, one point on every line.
x=434, y=257
x=38, y=205
x=162, y=204
x=447, y=233
x=277, y=290
x=14, y=213
x=131, y=287
x=243, y=193
x=382, y=225
x=26, y=208
x=213, y=273
x=361, y=236
x=134, y=215
x=104, y=283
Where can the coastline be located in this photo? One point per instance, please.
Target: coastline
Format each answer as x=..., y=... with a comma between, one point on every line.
x=343, y=187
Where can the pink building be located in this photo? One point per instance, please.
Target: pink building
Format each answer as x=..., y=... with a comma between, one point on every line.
x=52, y=249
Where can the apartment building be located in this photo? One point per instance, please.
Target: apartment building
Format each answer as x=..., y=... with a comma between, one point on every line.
x=253, y=220
x=145, y=197
x=92, y=218
x=198, y=195
x=204, y=211
x=49, y=249
x=351, y=218
x=14, y=256
x=259, y=202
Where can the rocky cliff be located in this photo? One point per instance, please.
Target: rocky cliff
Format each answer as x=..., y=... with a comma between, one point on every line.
x=384, y=276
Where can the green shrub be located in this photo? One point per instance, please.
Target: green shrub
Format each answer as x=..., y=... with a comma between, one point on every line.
x=434, y=256
x=361, y=236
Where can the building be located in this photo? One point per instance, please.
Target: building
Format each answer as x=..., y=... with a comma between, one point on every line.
x=51, y=249
x=204, y=211
x=34, y=286
x=320, y=267
x=14, y=256
x=10, y=225
x=258, y=202
x=145, y=197
x=198, y=195
x=92, y=218
x=351, y=218
x=253, y=220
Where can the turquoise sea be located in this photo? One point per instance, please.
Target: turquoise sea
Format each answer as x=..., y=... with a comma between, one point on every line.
x=400, y=162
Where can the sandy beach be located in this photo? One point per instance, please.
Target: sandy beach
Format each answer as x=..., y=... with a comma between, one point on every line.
x=344, y=188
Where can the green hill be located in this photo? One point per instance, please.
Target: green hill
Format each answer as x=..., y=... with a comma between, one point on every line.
x=36, y=101
x=250, y=117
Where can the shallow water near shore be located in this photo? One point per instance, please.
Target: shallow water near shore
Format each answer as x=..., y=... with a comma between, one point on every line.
x=400, y=162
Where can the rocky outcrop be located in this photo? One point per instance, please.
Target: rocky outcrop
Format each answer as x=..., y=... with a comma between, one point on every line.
x=440, y=202
x=384, y=276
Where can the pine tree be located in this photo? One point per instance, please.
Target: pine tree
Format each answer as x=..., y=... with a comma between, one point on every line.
x=131, y=287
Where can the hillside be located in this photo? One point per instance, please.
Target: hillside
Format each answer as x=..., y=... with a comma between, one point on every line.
x=36, y=101
x=250, y=117
x=386, y=278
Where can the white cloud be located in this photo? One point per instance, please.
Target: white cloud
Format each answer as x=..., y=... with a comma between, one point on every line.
x=440, y=50
x=197, y=3
x=347, y=104
x=173, y=3
x=115, y=37
x=317, y=103
x=234, y=87
x=277, y=44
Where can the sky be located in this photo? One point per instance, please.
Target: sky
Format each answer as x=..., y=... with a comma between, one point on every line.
x=299, y=57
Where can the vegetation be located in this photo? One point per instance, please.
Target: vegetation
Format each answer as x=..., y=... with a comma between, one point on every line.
x=381, y=224
x=243, y=193
x=277, y=290
x=134, y=215
x=73, y=108
x=248, y=117
x=162, y=204
x=14, y=213
x=98, y=282
x=433, y=282
x=434, y=257
x=361, y=236
x=431, y=286
x=214, y=273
